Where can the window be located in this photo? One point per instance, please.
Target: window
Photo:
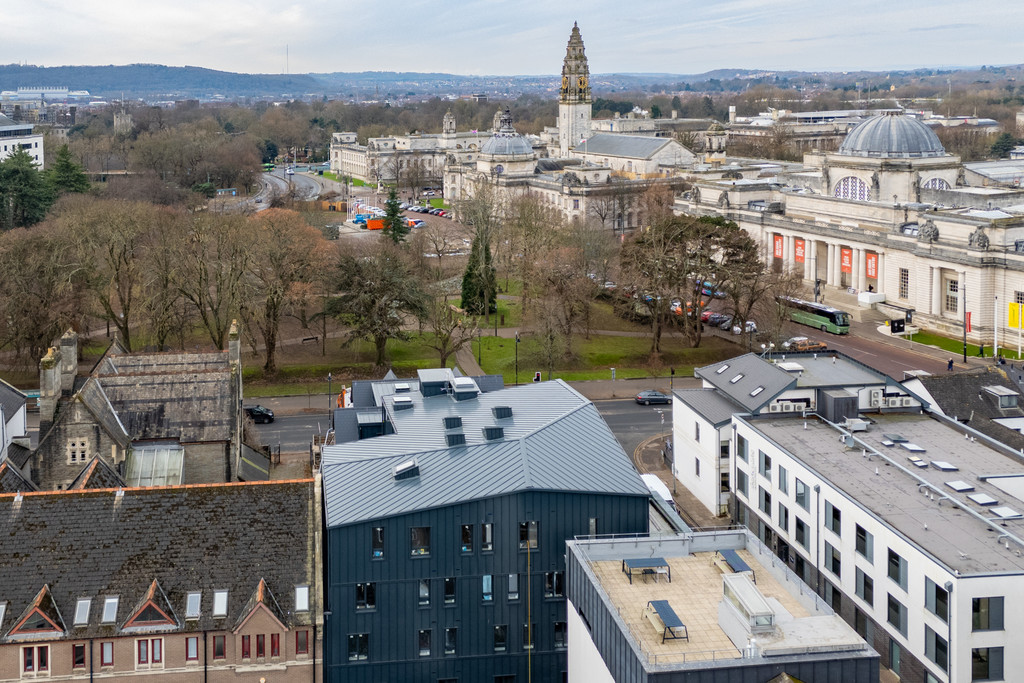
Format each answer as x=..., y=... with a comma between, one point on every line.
x=449, y=590
x=898, y=569
x=424, y=592
x=936, y=599
x=358, y=647
x=802, y=495
x=467, y=538
x=107, y=654
x=897, y=615
x=302, y=598
x=218, y=647
x=554, y=584
x=987, y=614
x=487, y=582
x=936, y=649
x=528, y=535
x=865, y=544
x=696, y=432
x=246, y=649
x=764, y=501
x=952, y=296
x=500, y=638
x=528, y=631
x=783, y=518
x=833, y=519
x=987, y=664
x=487, y=537
x=904, y=283
x=741, y=482
x=35, y=659
x=741, y=448
x=424, y=642
x=833, y=559
x=366, y=595
x=696, y=466
x=419, y=537
x=275, y=644
x=865, y=587
x=764, y=465
x=220, y=603
x=783, y=480
x=192, y=603
x=377, y=543
x=261, y=645
x=513, y=586
x=192, y=649
x=561, y=641
x=78, y=656
x=302, y=642
x=110, y=609
x=82, y=611
x=592, y=521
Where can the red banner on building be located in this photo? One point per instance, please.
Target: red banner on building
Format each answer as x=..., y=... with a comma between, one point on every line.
x=779, y=246
x=846, y=260
x=968, y=322
x=871, y=265
x=799, y=249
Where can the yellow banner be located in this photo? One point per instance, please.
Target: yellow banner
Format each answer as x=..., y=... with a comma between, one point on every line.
x=1013, y=317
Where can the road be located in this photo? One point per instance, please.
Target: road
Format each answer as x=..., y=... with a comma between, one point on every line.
x=632, y=423
x=292, y=433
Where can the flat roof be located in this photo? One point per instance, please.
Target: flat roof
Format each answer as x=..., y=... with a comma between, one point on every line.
x=901, y=493
x=827, y=369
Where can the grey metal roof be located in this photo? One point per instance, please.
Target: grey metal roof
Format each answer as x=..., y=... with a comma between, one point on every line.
x=891, y=136
x=617, y=145
x=711, y=404
x=11, y=400
x=555, y=440
x=832, y=370
x=738, y=377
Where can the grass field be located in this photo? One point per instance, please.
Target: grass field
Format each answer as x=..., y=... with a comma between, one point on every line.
x=956, y=346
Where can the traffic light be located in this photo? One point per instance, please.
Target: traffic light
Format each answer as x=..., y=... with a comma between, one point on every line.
x=897, y=326
x=536, y=377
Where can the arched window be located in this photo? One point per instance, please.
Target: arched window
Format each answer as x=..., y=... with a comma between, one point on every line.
x=935, y=184
x=851, y=188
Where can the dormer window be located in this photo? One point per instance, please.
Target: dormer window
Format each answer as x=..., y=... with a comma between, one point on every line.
x=192, y=602
x=110, y=609
x=1007, y=397
x=302, y=598
x=82, y=611
x=220, y=603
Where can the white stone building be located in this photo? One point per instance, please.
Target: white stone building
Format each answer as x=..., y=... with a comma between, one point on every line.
x=19, y=136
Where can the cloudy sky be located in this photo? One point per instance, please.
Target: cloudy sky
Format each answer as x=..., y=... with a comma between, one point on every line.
x=514, y=36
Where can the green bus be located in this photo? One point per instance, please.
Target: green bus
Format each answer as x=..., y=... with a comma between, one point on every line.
x=267, y=168
x=825, y=318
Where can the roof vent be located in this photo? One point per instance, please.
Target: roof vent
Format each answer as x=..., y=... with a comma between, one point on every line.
x=457, y=439
x=402, y=388
x=464, y=388
x=402, y=402
x=502, y=412
x=452, y=422
x=494, y=433
x=407, y=470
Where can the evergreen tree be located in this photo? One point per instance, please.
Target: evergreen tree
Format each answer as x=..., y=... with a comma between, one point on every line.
x=65, y=175
x=1003, y=144
x=479, y=283
x=25, y=196
x=395, y=225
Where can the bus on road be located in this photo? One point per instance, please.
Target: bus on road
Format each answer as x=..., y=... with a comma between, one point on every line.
x=267, y=168
x=825, y=318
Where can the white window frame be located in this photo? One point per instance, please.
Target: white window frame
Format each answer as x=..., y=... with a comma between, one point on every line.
x=109, y=609
x=82, y=605
x=220, y=603
x=191, y=613
x=302, y=598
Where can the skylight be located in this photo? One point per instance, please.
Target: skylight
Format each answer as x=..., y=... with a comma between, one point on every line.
x=3, y=610
x=82, y=611
x=737, y=378
x=220, y=603
x=722, y=369
x=302, y=598
x=756, y=391
x=192, y=602
x=110, y=609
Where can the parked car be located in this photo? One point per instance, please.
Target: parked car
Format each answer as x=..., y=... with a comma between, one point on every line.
x=725, y=323
x=750, y=327
x=804, y=344
x=259, y=414
x=651, y=396
x=716, y=319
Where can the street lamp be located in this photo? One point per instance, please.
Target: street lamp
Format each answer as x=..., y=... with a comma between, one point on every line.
x=517, y=357
x=329, y=392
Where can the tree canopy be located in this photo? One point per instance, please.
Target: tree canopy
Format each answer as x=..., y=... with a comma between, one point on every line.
x=25, y=196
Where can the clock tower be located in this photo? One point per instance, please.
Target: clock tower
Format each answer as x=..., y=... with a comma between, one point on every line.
x=574, y=101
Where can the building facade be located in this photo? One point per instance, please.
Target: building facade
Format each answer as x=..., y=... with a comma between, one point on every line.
x=574, y=101
x=16, y=137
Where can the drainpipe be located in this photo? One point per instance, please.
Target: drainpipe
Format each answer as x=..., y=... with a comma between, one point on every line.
x=314, y=650
x=949, y=630
x=206, y=660
x=817, y=540
x=90, y=661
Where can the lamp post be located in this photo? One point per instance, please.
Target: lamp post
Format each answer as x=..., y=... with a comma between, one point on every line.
x=517, y=357
x=479, y=348
x=329, y=392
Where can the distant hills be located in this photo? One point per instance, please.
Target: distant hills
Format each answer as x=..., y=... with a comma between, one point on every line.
x=154, y=82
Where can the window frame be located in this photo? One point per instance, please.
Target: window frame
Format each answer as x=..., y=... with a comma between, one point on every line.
x=450, y=594
x=220, y=603
x=994, y=617
x=110, y=603
x=500, y=638
x=302, y=598
x=197, y=612
x=423, y=635
x=554, y=585
x=366, y=596
x=220, y=643
x=302, y=635
x=275, y=645
x=419, y=541
x=451, y=640
x=802, y=494
x=423, y=592
x=246, y=647
x=864, y=543
x=358, y=647
x=487, y=588
x=513, y=587
x=529, y=535
x=561, y=635
x=377, y=543
x=487, y=537
x=893, y=604
x=193, y=643
x=901, y=569
x=106, y=653
x=466, y=536
x=261, y=646
x=77, y=648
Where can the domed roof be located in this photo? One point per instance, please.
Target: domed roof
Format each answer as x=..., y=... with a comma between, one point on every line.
x=892, y=136
x=506, y=141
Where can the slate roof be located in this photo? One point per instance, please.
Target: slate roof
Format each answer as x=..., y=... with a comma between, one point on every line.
x=962, y=396
x=11, y=400
x=555, y=440
x=618, y=145
x=752, y=372
x=97, y=475
x=11, y=480
x=18, y=454
x=711, y=404
x=189, y=538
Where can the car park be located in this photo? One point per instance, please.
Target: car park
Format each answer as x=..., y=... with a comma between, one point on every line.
x=259, y=414
x=650, y=396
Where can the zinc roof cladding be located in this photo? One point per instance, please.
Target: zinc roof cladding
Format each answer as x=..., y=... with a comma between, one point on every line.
x=618, y=145
x=571, y=449
x=11, y=400
x=756, y=373
x=711, y=404
x=94, y=544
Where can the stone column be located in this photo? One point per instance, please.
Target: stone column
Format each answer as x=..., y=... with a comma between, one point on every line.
x=936, y=291
x=881, y=273
x=790, y=251
x=829, y=249
x=862, y=275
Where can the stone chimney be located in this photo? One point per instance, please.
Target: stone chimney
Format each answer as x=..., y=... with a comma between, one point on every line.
x=49, y=387
x=68, y=361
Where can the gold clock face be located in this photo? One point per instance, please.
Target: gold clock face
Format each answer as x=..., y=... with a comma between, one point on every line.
x=565, y=82
x=582, y=82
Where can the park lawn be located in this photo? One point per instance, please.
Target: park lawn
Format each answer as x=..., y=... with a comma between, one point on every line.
x=956, y=346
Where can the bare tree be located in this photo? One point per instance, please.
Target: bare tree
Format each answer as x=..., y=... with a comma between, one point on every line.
x=450, y=326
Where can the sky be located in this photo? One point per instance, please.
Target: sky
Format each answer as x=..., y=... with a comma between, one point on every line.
x=508, y=37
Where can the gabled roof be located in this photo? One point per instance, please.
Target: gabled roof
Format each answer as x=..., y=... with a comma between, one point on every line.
x=39, y=617
x=741, y=376
x=263, y=598
x=555, y=440
x=11, y=401
x=962, y=396
x=12, y=481
x=618, y=145
x=95, y=399
x=18, y=454
x=711, y=404
x=97, y=475
x=153, y=612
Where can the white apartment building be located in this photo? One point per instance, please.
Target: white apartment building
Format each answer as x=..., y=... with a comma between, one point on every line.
x=18, y=136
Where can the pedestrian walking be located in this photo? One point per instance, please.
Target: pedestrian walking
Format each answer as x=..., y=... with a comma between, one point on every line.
x=949, y=364
x=981, y=350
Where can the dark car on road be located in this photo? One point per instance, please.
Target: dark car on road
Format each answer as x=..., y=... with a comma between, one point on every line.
x=651, y=396
x=259, y=414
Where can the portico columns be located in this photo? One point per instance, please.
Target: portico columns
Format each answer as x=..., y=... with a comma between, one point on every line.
x=829, y=262
x=858, y=270
x=936, y=291
x=880, y=278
